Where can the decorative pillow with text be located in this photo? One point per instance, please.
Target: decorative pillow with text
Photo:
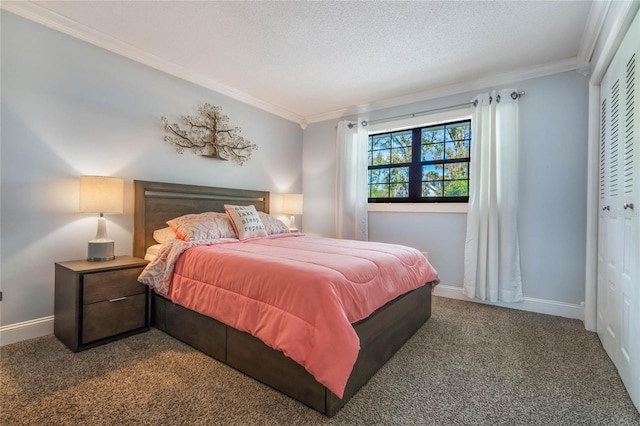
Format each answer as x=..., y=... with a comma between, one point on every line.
x=246, y=221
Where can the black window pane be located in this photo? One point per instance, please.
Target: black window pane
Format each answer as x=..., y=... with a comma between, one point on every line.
x=381, y=141
x=433, y=134
x=399, y=190
x=401, y=139
x=456, y=171
x=459, y=149
x=458, y=132
x=373, y=176
x=456, y=188
x=432, y=172
x=401, y=155
x=379, y=176
x=379, y=191
x=432, y=189
x=380, y=157
x=399, y=174
x=432, y=152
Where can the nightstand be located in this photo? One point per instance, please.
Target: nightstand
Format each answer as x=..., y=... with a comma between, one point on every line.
x=98, y=302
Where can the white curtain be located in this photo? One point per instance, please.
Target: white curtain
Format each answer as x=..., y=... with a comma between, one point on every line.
x=351, y=191
x=492, y=254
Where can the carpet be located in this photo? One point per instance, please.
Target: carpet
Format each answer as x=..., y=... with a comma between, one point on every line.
x=470, y=364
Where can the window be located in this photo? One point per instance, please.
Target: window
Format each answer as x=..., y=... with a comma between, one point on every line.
x=422, y=164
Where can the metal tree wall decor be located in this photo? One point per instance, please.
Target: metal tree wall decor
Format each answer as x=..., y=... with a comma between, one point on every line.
x=208, y=134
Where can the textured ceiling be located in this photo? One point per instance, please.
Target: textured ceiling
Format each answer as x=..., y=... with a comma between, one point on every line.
x=315, y=58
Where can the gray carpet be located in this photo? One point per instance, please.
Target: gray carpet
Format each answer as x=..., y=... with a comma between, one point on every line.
x=470, y=364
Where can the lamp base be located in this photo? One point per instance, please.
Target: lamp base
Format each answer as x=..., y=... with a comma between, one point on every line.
x=292, y=224
x=100, y=251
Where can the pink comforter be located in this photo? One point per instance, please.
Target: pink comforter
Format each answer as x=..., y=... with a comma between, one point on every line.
x=297, y=294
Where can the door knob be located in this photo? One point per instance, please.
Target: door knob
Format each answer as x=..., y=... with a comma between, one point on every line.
x=628, y=206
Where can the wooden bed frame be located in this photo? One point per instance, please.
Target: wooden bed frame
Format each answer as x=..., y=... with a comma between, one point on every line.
x=381, y=334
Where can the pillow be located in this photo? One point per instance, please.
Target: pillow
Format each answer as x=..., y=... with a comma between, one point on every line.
x=203, y=226
x=153, y=251
x=246, y=221
x=164, y=235
x=273, y=225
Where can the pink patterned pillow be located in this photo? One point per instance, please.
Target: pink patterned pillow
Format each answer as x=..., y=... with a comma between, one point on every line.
x=203, y=226
x=273, y=225
x=246, y=221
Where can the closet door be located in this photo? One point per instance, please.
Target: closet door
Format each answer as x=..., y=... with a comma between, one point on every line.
x=627, y=224
x=607, y=325
x=619, y=222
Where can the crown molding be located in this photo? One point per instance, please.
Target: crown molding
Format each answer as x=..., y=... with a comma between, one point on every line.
x=592, y=29
x=571, y=64
x=74, y=29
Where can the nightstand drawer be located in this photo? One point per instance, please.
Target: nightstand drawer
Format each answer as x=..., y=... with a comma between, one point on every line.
x=103, y=286
x=108, y=318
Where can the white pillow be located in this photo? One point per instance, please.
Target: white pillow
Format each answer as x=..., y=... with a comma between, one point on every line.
x=152, y=252
x=246, y=221
x=164, y=235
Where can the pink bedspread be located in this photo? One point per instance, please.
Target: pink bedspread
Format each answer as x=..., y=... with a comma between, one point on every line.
x=297, y=294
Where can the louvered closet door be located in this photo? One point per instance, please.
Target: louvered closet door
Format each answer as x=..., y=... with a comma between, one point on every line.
x=619, y=222
x=607, y=326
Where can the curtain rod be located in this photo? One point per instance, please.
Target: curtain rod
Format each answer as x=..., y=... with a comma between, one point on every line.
x=514, y=95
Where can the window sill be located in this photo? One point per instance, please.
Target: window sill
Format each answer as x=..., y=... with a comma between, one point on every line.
x=418, y=207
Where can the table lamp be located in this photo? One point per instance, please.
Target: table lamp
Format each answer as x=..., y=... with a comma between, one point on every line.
x=99, y=194
x=292, y=205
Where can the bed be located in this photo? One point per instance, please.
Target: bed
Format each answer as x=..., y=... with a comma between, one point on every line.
x=381, y=334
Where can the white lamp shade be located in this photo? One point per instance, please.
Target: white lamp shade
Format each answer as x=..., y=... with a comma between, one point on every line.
x=100, y=194
x=292, y=204
x=275, y=203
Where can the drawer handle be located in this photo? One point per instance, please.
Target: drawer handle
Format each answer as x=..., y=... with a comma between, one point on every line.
x=117, y=299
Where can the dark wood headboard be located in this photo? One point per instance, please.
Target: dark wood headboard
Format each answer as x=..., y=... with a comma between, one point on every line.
x=158, y=202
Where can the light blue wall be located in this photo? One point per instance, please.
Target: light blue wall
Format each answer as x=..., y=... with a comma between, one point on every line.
x=440, y=234
x=319, y=179
x=553, y=186
x=69, y=109
x=553, y=170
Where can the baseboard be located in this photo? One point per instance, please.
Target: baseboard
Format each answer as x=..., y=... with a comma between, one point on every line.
x=18, y=332
x=14, y=333
x=541, y=306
